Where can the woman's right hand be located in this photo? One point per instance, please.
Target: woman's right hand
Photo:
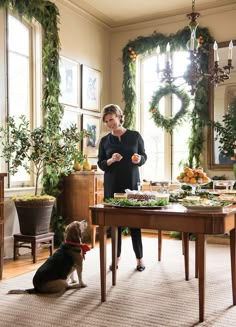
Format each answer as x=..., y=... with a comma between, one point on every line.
x=116, y=157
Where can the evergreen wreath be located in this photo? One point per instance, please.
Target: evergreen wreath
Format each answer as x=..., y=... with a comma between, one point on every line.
x=168, y=123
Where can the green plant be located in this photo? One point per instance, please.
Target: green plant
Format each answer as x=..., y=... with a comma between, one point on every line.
x=38, y=151
x=226, y=132
x=79, y=157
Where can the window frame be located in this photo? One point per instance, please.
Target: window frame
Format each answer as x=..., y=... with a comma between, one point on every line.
x=35, y=80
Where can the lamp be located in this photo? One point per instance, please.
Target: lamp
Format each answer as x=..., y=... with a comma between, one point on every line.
x=194, y=73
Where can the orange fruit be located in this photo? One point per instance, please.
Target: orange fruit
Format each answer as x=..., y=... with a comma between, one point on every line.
x=135, y=157
x=186, y=179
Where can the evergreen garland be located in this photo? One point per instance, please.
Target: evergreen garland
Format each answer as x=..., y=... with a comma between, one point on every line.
x=168, y=123
x=146, y=45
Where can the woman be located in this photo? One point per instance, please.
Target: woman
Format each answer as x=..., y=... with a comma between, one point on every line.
x=121, y=153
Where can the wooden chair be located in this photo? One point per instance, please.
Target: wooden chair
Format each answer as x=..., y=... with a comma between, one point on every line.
x=185, y=252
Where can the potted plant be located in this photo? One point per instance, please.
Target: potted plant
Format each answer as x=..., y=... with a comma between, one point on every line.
x=47, y=155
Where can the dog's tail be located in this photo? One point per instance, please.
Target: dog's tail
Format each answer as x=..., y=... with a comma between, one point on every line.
x=19, y=291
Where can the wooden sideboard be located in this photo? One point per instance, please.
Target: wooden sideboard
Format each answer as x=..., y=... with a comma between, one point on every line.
x=2, y=175
x=80, y=190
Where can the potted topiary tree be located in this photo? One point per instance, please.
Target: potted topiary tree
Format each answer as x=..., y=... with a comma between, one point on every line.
x=47, y=155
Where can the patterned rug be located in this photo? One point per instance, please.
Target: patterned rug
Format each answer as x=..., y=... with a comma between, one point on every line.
x=158, y=296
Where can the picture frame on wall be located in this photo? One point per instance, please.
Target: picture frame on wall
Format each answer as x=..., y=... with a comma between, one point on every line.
x=90, y=144
x=70, y=117
x=90, y=88
x=70, y=84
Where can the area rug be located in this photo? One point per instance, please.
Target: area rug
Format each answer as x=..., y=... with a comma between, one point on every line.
x=158, y=296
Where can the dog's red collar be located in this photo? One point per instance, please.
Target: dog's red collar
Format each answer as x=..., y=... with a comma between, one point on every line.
x=84, y=247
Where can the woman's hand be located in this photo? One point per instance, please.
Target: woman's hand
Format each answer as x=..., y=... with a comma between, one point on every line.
x=115, y=157
x=136, y=158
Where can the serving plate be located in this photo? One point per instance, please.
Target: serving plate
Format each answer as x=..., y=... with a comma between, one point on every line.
x=141, y=207
x=210, y=208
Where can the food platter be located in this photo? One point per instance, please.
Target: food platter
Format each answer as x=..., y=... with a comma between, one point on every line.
x=136, y=204
x=141, y=207
x=200, y=208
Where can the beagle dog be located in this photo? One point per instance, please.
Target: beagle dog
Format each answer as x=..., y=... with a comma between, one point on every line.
x=54, y=274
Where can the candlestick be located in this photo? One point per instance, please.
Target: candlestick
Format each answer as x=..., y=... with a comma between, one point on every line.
x=216, y=56
x=168, y=52
x=230, y=55
x=192, y=41
x=158, y=52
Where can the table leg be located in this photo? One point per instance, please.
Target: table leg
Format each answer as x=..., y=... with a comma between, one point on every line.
x=201, y=273
x=186, y=253
x=103, y=260
x=114, y=233
x=196, y=259
x=159, y=244
x=233, y=263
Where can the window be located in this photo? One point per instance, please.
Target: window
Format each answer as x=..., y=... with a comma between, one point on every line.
x=22, y=86
x=165, y=151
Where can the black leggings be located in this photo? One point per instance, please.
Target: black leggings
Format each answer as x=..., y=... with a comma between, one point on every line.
x=136, y=241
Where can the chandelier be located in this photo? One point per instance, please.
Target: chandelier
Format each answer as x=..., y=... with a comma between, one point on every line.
x=194, y=73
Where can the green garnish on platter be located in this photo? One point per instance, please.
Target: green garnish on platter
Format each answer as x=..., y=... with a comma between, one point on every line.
x=136, y=203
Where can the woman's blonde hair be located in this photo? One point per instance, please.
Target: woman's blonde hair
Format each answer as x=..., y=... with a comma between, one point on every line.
x=112, y=109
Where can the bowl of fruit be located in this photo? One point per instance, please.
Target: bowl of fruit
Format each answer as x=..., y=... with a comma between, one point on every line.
x=193, y=177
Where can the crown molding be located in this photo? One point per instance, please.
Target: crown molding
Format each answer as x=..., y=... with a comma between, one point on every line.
x=175, y=18
x=83, y=13
x=149, y=21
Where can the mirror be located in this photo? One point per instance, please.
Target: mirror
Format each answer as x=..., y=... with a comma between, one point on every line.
x=219, y=100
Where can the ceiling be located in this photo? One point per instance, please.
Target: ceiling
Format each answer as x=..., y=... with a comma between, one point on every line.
x=125, y=12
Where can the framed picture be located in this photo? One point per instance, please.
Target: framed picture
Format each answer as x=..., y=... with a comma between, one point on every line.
x=91, y=88
x=71, y=117
x=69, y=87
x=90, y=143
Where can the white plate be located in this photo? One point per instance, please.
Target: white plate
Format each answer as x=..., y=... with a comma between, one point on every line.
x=205, y=208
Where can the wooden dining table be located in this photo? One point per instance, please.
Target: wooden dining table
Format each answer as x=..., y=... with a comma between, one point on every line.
x=172, y=218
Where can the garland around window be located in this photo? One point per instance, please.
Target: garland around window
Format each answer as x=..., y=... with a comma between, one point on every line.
x=147, y=45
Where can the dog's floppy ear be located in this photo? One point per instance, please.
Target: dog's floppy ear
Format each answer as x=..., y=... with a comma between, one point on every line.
x=73, y=232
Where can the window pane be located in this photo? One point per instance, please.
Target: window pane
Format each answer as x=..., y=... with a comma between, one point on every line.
x=18, y=79
x=18, y=37
x=165, y=152
x=19, y=86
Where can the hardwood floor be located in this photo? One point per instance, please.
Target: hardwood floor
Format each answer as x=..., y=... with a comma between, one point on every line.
x=25, y=264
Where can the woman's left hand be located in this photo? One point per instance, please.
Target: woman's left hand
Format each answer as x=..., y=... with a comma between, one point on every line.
x=136, y=158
